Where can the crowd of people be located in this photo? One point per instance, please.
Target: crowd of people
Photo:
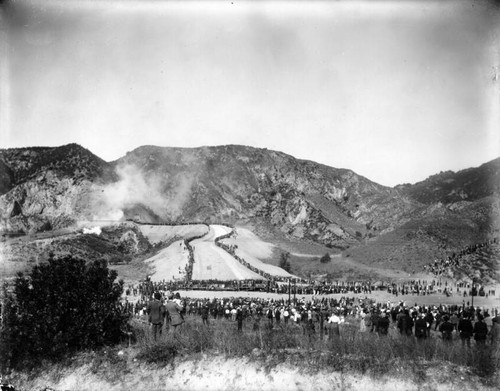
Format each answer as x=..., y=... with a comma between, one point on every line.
x=322, y=313
x=443, y=266
x=326, y=315
x=418, y=287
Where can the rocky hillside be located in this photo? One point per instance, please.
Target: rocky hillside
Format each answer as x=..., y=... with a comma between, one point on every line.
x=19, y=165
x=303, y=199
x=450, y=187
x=46, y=188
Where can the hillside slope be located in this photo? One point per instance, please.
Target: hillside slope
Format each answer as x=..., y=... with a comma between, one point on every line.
x=448, y=187
x=303, y=199
x=286, y=200
x=44, y=188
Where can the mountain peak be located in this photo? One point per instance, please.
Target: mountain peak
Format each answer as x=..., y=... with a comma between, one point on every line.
x=70, y=160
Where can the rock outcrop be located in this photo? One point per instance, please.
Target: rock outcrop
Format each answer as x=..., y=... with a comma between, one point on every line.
x=47, y=188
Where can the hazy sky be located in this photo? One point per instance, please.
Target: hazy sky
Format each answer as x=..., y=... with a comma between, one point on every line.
x=394, y=90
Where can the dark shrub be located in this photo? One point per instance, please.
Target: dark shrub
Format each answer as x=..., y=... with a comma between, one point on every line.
x=325, y=258
x=162, y=353
x=62, y=306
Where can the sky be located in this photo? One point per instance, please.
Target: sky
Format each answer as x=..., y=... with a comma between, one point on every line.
x=393, y=90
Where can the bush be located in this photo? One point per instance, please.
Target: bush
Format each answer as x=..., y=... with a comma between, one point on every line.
x=325, y=258
x=62, y=306
x=161, y=353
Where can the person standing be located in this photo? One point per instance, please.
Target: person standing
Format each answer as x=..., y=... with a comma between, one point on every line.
x=429, y=319
x=174, y=311
x=405, y=323
x=270, y=315
x=374, y=320
x=465, y=329
x=454, y=320
x=383, y=324
x=362, y=322
x=446, y=328
x=239, y=318
x=156, y=314
x=286, y=315
x=205, y=310
x=480, y=330
x=421, y=327
x=334, y=325
x=439, y=318
x=495, y=331
x=277, y=315
x=256, y=322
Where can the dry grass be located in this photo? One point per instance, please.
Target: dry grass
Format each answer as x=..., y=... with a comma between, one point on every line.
x=220, y=357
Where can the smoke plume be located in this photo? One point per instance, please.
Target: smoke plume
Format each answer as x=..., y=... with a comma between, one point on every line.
x=94, y=230
x=163, y=194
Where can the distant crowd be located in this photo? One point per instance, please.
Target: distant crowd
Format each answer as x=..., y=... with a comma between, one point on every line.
x=443, y=266
x=419, y=287
x=296, y=286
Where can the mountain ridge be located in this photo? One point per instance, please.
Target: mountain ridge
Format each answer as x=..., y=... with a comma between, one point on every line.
x=297, y=200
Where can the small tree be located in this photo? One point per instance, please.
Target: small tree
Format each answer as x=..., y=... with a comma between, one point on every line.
x=62, y=306
x=325, y=258
x=284, y=262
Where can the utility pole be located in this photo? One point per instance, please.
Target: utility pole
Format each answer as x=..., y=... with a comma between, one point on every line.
x=289, y=293
x=472, y=294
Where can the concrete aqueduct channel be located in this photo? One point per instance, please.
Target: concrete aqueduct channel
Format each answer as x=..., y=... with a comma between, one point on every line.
x=211, y=261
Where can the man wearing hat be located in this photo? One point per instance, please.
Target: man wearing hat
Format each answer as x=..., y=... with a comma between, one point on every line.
x=239, y=318
x=495, y=330
x=174, y=311
x=465, y=328
x=156, y=314
x=446, y=328
x=480, y=330
x=421, y=327
x=383, y=323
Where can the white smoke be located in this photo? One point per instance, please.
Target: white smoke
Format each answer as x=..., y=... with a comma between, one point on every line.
x=93, y=230
x=133, y=188
x=151, y=190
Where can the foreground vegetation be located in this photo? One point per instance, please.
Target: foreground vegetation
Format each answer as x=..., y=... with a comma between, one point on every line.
x=63, y=327
x=352, y=350
x=390, y=358
x=63, y=306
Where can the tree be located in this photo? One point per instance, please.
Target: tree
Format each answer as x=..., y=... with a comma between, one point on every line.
x=62, y=306
x=325, y=258
x=284, y=262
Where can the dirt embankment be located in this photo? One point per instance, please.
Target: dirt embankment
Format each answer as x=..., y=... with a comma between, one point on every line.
x=215, y=373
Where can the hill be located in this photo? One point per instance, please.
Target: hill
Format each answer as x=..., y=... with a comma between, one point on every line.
x=303, y=199
x=298, y=205
x=19, y=165
x=44, y=188
x=449, y=187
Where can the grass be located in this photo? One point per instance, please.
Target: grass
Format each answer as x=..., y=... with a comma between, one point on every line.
x=363, y=353
x=355, y=354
